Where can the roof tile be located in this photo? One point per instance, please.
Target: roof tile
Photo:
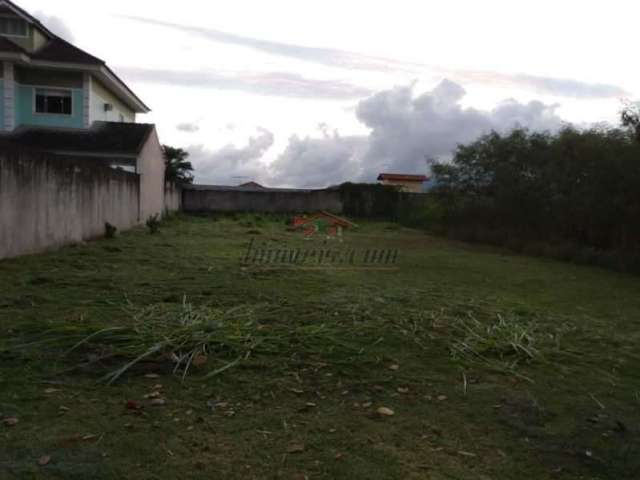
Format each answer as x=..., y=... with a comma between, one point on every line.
x=108, y=138
x=7, y=45
x=59, y=50
x=397, y=177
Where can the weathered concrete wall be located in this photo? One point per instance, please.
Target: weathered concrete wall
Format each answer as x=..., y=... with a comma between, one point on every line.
x=213, y=199
x=172, y=198
x=151, y=169
x=48, y=202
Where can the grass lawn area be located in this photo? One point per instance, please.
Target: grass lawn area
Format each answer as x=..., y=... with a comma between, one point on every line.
x=494, y=366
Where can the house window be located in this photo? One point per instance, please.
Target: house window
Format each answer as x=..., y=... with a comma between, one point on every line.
x=53, y=101
x=14, y=27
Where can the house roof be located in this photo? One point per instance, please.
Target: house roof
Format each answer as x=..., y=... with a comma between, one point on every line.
x=59, y=50
x=7, y=45
x=9, y=5
x=103, y=138
x=251, y=185
x=399, y=177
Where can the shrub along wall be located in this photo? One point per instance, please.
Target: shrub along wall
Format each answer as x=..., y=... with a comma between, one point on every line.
x=385, y=202
x=47, y=201
x=363, y=200
x=573, y=195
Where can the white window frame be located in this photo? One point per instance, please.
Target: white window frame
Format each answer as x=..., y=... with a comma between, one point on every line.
x=60, y=89
x=17, y=18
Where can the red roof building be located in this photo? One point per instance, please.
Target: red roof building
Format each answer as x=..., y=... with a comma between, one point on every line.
x=406, y=183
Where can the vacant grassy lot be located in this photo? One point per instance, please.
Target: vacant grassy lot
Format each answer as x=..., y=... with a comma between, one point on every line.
x=495, y=366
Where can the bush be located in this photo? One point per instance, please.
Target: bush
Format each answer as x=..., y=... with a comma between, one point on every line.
x=110, y=230
x=424, y=212
x=575, y=191
x=367, y=200
x=587, y=256
x=153, y=224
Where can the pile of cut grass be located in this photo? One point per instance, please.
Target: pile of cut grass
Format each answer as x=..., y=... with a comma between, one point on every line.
x=186, y=335
x=216, y=339
x=507, y=343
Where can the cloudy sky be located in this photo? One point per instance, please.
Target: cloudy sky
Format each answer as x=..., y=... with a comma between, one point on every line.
x=308, y=94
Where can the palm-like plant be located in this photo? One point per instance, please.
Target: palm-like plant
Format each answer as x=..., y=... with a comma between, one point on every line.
x=178, y=169
x=631, y=118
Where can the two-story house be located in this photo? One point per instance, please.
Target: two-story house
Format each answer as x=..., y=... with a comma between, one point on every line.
x=58, y=98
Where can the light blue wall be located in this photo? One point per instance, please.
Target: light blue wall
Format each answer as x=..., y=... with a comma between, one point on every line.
x=1, y=104
x=25, y=108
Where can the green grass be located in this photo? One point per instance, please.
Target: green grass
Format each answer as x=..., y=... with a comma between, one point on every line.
x=496, y=366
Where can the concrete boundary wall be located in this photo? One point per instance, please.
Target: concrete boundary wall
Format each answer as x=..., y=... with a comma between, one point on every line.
x=199, y=199
x=172, y=198
x=47, y=201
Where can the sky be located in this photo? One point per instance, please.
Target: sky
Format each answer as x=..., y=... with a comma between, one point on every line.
x=309, y=94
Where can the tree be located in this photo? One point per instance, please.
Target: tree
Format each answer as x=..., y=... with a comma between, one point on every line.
x=178, y=169
x=573, y=187
x=631, y=119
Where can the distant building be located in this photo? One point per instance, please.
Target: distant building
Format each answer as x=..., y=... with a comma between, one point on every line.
x=251, y=185
x=406, y=183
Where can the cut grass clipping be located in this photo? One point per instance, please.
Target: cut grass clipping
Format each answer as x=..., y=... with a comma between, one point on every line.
x=507, y=343
x=212, y=340
x=189, y=336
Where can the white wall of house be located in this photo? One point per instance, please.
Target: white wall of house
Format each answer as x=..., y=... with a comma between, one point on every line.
x=38, y=39
x=409, y=187
x=99, y=97
x=151, y=170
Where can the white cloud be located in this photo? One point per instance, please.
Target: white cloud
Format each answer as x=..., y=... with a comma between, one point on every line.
x=554, y=86
x=332, y=57
x=56, y=25
x=405, y=131
x=230, y=164
x=326, y=56
x=280, y=84
x=188, y=127
x=317, y=162
x=254, y=72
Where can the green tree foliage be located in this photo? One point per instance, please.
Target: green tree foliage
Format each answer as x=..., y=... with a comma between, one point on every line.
x=576, y=187
x=178, y=169
x=631, y=119
x=370, y=200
